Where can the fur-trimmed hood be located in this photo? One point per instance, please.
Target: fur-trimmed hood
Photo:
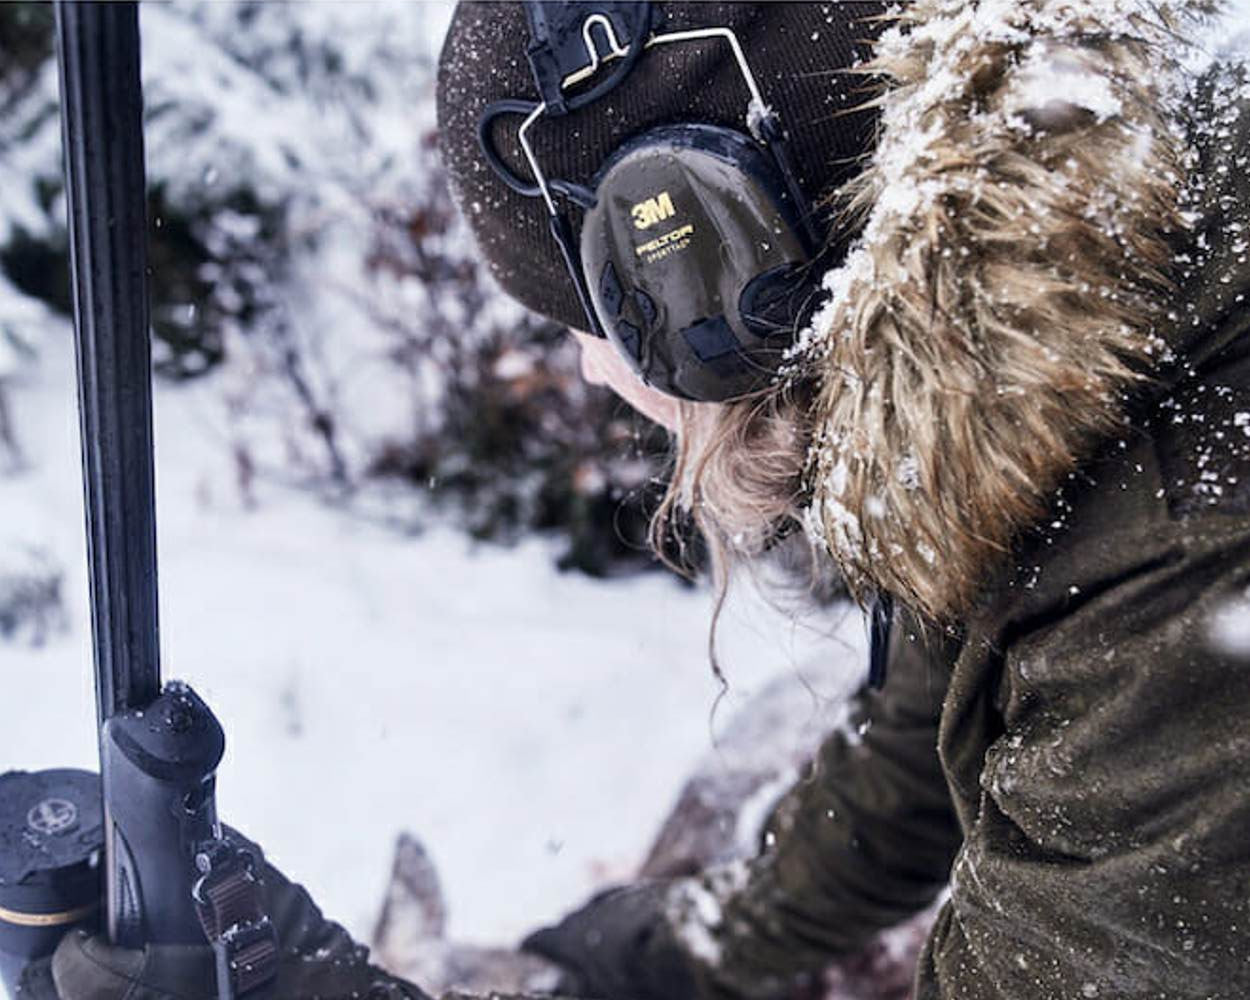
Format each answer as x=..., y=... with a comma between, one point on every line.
x=1006, y=297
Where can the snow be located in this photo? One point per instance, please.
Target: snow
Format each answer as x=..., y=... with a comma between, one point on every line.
x=1230, y=35
x=696, y=908
x=1050, y=80
x=1229, y=630
x=532, y=728
x=757, y=114
x=23, y=161
x=252, y=101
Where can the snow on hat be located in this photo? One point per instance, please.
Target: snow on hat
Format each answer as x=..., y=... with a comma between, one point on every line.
x=797, y=51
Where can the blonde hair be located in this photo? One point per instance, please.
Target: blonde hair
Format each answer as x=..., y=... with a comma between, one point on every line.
x=738, y=477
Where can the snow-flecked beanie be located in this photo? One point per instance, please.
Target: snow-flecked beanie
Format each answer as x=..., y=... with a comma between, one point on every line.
x=799, y=53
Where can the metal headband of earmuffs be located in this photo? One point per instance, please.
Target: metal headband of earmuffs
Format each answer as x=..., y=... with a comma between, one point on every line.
x=572, y=42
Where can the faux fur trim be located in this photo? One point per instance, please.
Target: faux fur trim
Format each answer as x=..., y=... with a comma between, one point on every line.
x=986, y=330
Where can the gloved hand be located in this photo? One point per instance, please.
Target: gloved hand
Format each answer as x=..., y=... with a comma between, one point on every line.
x=619, y=946
x=317, y=958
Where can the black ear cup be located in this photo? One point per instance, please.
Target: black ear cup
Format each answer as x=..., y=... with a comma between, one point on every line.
x=694, y=259
x=773, y=300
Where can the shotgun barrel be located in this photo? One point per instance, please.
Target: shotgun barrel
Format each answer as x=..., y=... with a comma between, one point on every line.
x=158, y=751
x=102, y=117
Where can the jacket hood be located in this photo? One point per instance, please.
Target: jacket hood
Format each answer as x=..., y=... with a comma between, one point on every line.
x=1006, y=297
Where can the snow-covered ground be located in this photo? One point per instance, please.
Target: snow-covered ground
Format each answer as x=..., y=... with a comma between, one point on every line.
x=531, y=727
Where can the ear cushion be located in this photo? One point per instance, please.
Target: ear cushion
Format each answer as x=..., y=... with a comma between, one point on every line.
x=692, y=226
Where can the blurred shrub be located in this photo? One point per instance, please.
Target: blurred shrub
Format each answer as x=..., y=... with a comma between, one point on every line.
x=308, y=268
x=197, y=285
x=31, y=605
x=520, y=441
x=25, y=42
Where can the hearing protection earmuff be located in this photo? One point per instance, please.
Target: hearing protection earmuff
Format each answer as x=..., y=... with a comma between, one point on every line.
x=694, y=239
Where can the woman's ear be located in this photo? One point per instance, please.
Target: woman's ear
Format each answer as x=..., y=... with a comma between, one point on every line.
x=603, y=365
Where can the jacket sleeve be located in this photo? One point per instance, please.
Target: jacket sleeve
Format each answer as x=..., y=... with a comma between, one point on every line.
x=863, y=842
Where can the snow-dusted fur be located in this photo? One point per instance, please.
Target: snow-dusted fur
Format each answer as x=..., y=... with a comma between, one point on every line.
x=987, y=329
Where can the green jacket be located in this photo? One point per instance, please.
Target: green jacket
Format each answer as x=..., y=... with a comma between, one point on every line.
x=1074, y=757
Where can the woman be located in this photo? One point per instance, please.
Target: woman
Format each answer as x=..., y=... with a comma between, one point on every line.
x=1022, y=413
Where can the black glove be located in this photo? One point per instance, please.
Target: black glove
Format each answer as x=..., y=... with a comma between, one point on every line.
x=317, y=958
x=619, y=946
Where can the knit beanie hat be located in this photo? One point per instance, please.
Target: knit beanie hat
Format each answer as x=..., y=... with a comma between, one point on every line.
x=798, y=53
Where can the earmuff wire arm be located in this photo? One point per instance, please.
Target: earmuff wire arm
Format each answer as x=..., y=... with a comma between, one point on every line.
x=774, y=137
x=616, y=51
x=562, y=232
x=562, y=33
x=494, y=110
x=630, y=55
x=578, y=194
